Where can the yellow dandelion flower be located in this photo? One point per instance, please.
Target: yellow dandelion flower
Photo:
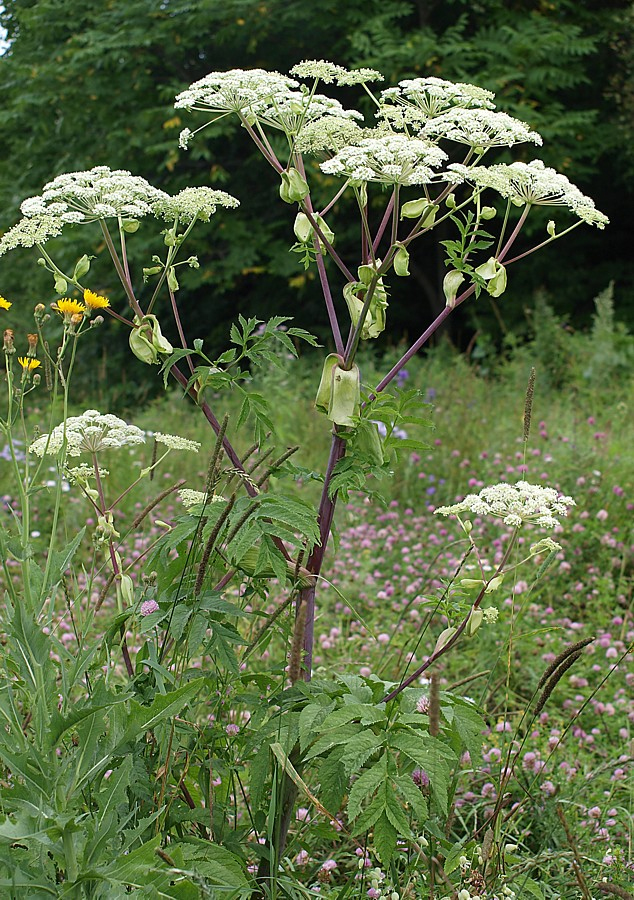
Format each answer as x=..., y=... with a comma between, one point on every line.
x=5, y=304
x=95, y=301
x=68, y=307
x=28, y=364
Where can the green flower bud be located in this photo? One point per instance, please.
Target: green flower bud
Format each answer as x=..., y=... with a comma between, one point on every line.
x=294, y=186
x=345, y=396
x=488, y=269
x=169, y=238
x=127, y=590
x=130, y=225
x=82, y=268
x=172, y=280
x=450, y=201
x=142, y=347
x=159, y=342
x=302, y=228
x=488, y=212
x=42, y=262
x=326, y=231
x=494, y=584
x=450, y=285
x=422, y=209
x=401, y=261
x=444, y=638
x=497, y=285
x=322, y=400
x=61, y=285
x=474, y=622
x=550, y=228
x=152, y=270
x=471, y=582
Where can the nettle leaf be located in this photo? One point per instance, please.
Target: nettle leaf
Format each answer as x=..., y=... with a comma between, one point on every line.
x=328, y=741
x=311, y=720
x=365, y=786
x=385, y=838
x=333, y=781
x=467, y=722
x=431, y=755
x=367, y=715
x=396, y=815
x=412, y=796
x=360, y=748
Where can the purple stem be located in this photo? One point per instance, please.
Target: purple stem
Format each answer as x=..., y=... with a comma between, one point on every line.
x=330, y=306
x=384, y=221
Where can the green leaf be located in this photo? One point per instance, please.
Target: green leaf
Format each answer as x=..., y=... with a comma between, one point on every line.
x=333, y=781
x=367, y=715
x=327, y=741
x=359, y=749
x=431, y=755
x=385, y=837
x=311, y=720
x=365, y=786
x=145, y=718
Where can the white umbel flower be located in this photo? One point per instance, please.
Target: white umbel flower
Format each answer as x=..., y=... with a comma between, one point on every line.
x=99, y=193
x=191, y=498
x=432, y=96
x=532, y=183
x=31, y=232
x=387, y=159
x=514, y=504
x=328, y=72
x=176, y=442
x=234, y=91
x=194, y=203
x=89, y=433
x=290, y=110
x=480, y=128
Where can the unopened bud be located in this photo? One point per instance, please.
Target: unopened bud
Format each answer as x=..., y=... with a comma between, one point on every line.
x=294, y=186
x=82, y=268
x=401, y=261
x=474, y=622
x=61, y=285
x=450, y=201
x=32, y=339
x=488, y=212
x=550, y=228
x=130, y=226
x=444, y=638
x=450, y=285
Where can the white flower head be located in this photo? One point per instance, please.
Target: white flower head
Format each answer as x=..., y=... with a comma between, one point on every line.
x=291, y=110
x=328, y=134
x=514, y=504
x=532, y=183
x=191, y=498
x=429, y=97
x=194, y=203
x=479, y=128
x=175, y=442
x=235, y=91
x=388, y=159
x=91, y=432
x=77, y=198
x=31, y=232
x=329, y=72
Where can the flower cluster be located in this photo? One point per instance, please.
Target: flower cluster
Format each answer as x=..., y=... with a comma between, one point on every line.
x=31, y=232
x=234, y=91
x=194, y=203
x=176, y=442
x=514, y=504
x=480, y=128
x=191, y=498
x=532, y=183
x=387, y=159
x=329, y=72
x=88, y=433
x=289, y=110
x=430, y=97
x=330, y=133
x=99, y=193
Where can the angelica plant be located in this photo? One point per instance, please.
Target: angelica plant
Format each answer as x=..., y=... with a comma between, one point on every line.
x=423, y=163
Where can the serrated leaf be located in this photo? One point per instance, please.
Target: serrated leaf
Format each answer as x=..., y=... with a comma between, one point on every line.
x=333, y=781
x=385, y=837
x=145, y=718
x=359, y=749
x=396, y=816
x=310, y=721
x=431, y=755
x=332, y=739
x=413, y=796
x=365, y=786
x=367, y=715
